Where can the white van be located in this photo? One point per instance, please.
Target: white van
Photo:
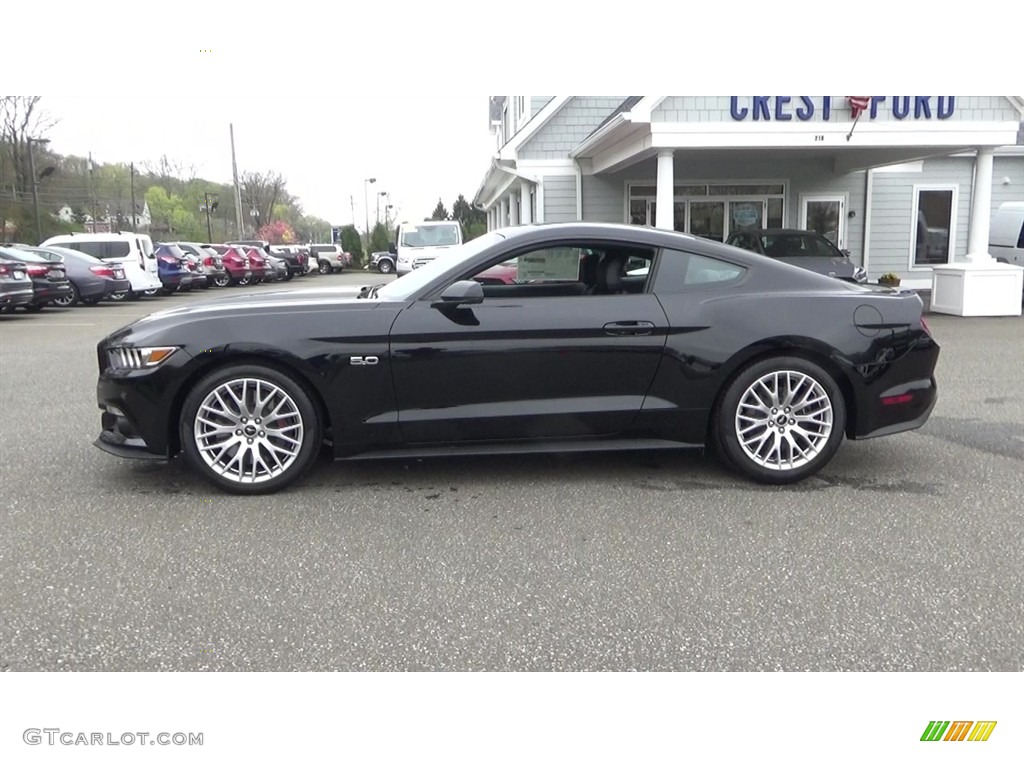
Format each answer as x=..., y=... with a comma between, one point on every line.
x=1006, y=234
x=134, y=251
x=420, y=242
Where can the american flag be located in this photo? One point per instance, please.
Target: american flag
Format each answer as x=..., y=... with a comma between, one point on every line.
x=858, y=104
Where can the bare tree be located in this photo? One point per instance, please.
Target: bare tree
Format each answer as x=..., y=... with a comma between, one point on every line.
x=261, y=192
x=169, y=173
x=21, y=118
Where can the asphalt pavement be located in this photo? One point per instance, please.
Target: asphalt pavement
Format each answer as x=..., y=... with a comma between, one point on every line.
x=904, y=554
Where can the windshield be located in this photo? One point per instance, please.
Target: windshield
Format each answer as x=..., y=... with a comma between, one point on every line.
x=423, y=236
x=408, y=284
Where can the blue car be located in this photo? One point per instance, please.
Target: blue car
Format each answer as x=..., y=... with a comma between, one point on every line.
x=172, y=268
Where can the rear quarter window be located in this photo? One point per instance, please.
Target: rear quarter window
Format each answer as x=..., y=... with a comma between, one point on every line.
x=680, y=272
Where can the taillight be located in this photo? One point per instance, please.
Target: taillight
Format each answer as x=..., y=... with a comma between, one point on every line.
x=37, y=271
x=3, y=270
x=169, y=260
x=102, y=271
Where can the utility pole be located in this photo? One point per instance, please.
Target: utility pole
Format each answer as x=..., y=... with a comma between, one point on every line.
x=135, y=218
x=209, y=207
x=92, y=193
x=238, y=191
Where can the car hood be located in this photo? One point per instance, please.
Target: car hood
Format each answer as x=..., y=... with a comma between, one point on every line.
x=823, y=265
x=265, y=302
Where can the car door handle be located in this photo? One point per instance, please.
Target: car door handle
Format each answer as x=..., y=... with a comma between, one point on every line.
x=629, y=328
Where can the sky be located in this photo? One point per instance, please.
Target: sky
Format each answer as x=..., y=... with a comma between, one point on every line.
x=315, y=91
x=418, y=148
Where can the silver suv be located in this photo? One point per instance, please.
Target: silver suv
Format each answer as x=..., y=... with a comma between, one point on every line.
x=329, y=258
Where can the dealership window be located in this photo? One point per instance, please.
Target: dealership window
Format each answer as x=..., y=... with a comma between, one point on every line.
x=712, y=211
x=932, y=232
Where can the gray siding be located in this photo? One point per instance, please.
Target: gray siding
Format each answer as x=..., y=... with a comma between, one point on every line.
x=564, y=131
x=602, y=199
x=537, y=103
x=893, y=205
x=1011, y=168
x=715, y=109
x=559, y=198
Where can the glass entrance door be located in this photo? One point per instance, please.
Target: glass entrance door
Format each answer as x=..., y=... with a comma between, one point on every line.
x=826, y=216
x=745, y=215
x=707, y=219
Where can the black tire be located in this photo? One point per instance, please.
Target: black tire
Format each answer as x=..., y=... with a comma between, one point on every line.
x=384, y=266
x=69, y=301
x=802, y=434
x=310, y=433
x=222, y=281
x=325, y=268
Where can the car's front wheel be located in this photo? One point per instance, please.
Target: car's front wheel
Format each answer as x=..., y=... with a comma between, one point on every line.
x=222, y=281
x=250, y=429
x=325, y=268
x=384, y=266
x=780, y=420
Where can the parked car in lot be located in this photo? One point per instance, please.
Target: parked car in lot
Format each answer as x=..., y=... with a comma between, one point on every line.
x=175, y=273
x=506, y=273
x=770, y=365
x=213, y=266
x=382, y=261
x=257, y=265
x=801, y=248
x=92, y=279
x=296, y=259
x=1006, y=235
x=133, y=251
x=49, y=278
x=15, y=285
x=329, y=258
x=235, y=262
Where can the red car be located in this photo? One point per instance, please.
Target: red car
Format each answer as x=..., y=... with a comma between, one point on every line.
x=257, y=264
x=506, y=273
x=236, y=263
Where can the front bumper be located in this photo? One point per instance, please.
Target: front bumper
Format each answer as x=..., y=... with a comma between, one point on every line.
x=118, y=438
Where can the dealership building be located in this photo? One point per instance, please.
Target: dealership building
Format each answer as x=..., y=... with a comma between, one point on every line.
x=905, y=184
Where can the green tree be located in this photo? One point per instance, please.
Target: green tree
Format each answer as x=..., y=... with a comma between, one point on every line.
x=352, y=243
x=380, y=237
x=171, y=217
x=440, y=212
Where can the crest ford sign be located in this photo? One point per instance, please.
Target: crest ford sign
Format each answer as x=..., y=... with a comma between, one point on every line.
x=804, y=108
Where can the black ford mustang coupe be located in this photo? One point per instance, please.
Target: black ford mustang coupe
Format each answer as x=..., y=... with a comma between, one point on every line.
x=609, y=337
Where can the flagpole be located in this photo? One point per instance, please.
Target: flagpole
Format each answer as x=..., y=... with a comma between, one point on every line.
x=92, y=193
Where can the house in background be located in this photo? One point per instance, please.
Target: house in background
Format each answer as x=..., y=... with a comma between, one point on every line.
x=900, y=184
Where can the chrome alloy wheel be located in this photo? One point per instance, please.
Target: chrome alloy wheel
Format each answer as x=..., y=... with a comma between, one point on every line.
x=784, y=419
x=248, y=430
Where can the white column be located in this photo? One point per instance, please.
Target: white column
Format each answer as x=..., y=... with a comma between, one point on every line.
x=525, y=214
x=502, y=213
x=664, y=218
x=981, y=207
x=513, y=210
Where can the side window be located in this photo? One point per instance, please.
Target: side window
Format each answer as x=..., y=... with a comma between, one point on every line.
x=92, y=248
x=1020, y=238
x=117, y=249
x=569, y=270
x=701, y=270
x=679, y=272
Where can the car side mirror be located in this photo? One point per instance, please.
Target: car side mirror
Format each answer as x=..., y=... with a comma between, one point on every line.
x=392, y=248
x=462, y=292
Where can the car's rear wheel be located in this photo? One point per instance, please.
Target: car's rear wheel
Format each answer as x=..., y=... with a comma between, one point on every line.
x=222, y=281
x=250, y=429
x=781, y=420
x=325, y=268
x=70, y=300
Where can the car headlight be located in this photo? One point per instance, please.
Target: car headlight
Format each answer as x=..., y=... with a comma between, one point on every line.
x=137, y=358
